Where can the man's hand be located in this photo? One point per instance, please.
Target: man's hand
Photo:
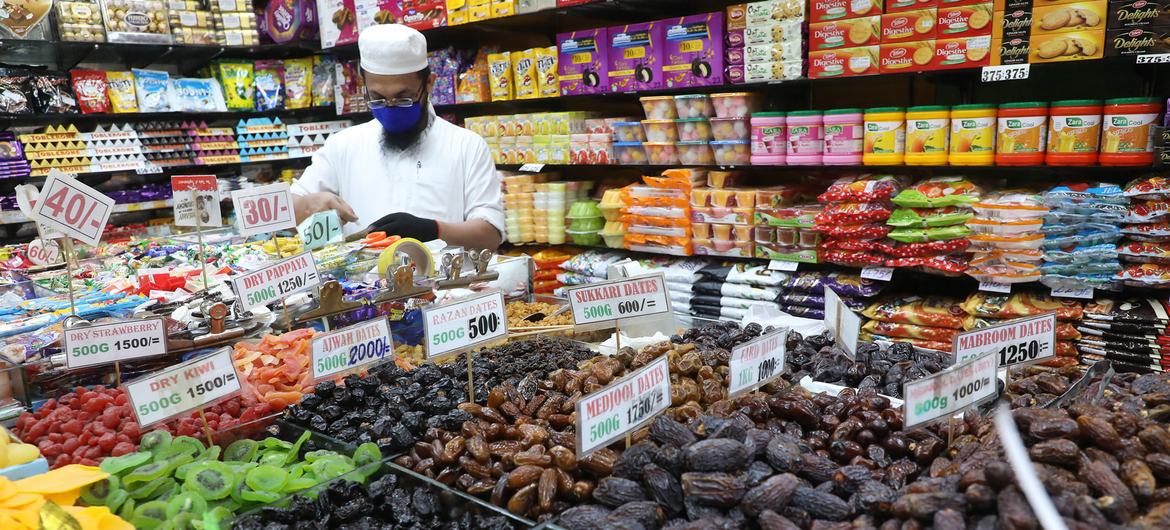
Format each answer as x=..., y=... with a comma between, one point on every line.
x=306, y=205
x=406, y=225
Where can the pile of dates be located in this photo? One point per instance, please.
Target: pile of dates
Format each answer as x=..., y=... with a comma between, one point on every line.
x=517, y=451
x=384, y=505
x=1105, y=462
x=537, y=356
x=885, y=369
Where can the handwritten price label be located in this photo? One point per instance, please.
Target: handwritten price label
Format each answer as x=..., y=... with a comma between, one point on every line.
x=320, y=229
x=622, y=407
x=351, y=348
x=995, y=287
x=1007, y=72
x=881, y=274
x=97, y=344
x=465, y=323
x=264, y=209
x=617, y=299
x=43, y=252
x=785, y=266
x=180, y=389
x=1084, y=293
x=196, y=199
x=532, y=168
x=756, y=363
x=950, y=391
x=267, y=285
x=73, y=208
x=1026, y=340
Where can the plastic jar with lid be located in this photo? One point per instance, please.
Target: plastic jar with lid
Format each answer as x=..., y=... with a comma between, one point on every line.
x=884, y=141
x=972, y=135
x=1127, y=134
x=928, y=135
x=843, y=136
x=768, y=134
x=806, y=137
x=1021, y=133
x=1074, y=132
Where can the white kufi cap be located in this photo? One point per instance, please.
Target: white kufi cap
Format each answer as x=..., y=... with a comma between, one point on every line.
x=392, y=49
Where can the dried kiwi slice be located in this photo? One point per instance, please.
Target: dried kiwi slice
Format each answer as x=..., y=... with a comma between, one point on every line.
x=116, y=465
x=146, y=473
x=367, y=453
x=115, y=499
x=212, y=453
x=266, y=478
x=299, y=483
x=155, y=441
x=211, y=480
x=154, y=488
x=295, y=452
x=97, y=493
x=183, y=444
x=149, y=515
x=274, y=458
x=313, y=456
x=185, y=502
x=217, y=514
x=241, y=451
x=263, y=497
x=182, y=521
x=327, y=468
x=127, y=509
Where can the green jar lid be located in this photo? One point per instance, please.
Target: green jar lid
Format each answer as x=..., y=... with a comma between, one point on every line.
x=1076, y=103
x=973, y=106
x=842, y=111
x=768, y=114
x=797, y=113
x=690, y=120
x=1130, y=101
x=1023, y=105
x=875, y=110
x=928, y=108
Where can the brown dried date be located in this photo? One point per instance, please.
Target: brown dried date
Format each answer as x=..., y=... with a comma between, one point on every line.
x=522, y=500
x=614, y=491
x=546, y=490
x=1104, y=482
x=820, y=504
x=1159, y=464
x=523, y=476
x=1099, y=432
x=772, y=494
x=770, y=520
x=722, y=490
x=716, y=454
x=1137, y=475
x=1155, y=438
x=1057, y=452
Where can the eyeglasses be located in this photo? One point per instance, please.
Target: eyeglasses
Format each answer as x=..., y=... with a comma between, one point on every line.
x=393, y=102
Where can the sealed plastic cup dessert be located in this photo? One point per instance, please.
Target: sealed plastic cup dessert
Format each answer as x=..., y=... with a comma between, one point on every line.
x=743, y=233
x=745, y=198
x=731, y=128
x=701, y=230
x=786, y=236
x=700, y=197
x=661, y=153
x=732, y=152
x=660, y=130
x=629, y=152
x=810, y=238
x=766, y=234
x=693, y=129
x=628, y=131
x=722, y=198
x=694, y=106
x=735, y=104
x=722, y=231
x=696, y=153
x=659, y=107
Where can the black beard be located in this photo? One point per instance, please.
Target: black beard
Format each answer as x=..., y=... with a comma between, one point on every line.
x=392, y=142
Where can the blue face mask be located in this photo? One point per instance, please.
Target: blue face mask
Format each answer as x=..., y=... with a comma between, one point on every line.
x=398, y=119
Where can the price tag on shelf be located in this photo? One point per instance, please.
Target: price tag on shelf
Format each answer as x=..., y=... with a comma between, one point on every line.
x=465, y=323
x=947, y=392
x=1082, y=293
x=180, y=389
x=43, y=252
x=27, y=196
x=277, y=281
x=881, y=274
x=1006, y=72
x=622, y=407
x=97, y=344
x=756, y=363
x=1021, y=341
x=532, y=168
x=196, y=195
x=351, y=348
x=786, y=266
x=320, y=229
x=1153, y=58
x=264, y=209
x=618, y=299
x=842, y=321
x=995, y=287
x=73, y=208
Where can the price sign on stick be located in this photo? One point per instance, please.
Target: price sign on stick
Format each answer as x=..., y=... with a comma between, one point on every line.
x=842, y=321
x=756, y=363
x=43, y=252
x=277, y=281
x=950, y=391
x=73, y=208
x=464, y=323
x=180, y=389
x=196, y=199
x=1022, y=341
x=351, y=348
x=119, y=341
x=27, y=196
x=320, y=229
x=622, y=407
x=264, y=209
x=618, y=299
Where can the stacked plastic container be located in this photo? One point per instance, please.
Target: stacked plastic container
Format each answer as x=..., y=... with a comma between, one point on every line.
x=614, y=232
x=518, y=207
x=585, y=221
x=786, y=224
x=658, y=214
x=691, y=129
x=554, y=200
x=723, y=217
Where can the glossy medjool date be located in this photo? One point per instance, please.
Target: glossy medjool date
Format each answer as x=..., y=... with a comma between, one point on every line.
x=616, y=491
x=772, y=494
x=716, y=454
x=721, y=490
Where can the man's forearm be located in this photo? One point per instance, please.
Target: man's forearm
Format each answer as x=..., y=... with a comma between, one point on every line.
x=475, y=233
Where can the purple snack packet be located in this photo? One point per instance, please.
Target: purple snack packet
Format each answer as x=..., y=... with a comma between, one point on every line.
x=635, y=57
x=694, y=51
x=582, y=62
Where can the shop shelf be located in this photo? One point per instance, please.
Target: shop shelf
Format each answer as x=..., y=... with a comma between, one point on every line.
x=65, y=55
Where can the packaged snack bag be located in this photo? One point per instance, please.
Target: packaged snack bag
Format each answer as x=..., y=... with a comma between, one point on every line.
x=500, y=76
x=548, y=82
x=196, y=95
x=236, y=77
x=120, y=87
x=51, y=94
x=269, y=83
x=524, y=74
x=90, y=88
x=151, y=87
x=321, y=80
x=298, y=78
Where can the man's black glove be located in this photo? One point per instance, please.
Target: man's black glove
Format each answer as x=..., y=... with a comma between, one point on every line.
x=406, y=225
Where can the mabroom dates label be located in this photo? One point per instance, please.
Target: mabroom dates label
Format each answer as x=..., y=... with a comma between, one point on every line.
x=609, y=301
x=351, y=348
x=92, y=345
x=756, y=363
x=182, y=388
x=623, y=406
x=465, y=323
x=1026, y=340
x=274, y=282
x=950, y=391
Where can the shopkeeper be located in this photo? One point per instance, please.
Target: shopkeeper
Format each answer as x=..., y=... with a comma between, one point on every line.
x=407, y=172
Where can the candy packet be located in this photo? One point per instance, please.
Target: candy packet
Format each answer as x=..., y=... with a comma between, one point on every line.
x=938, y=192
x=929, y=217
x=51, y=94
x=500, y=76
x=150, y=87
x=524, y=74
x=853, y=213
x=89, y=86
x=862, y=188
x=298, y=78
x=922, y=235
x=321, y=80
x=1149, y=187
x=120, y=87
x=196, y=95
x=548, y=82
x=268, y=78
x=236, y=78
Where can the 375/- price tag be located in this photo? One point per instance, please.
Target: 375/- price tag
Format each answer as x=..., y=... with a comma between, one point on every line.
x=277, y=281
x=1153, y=58
x=180, y=389
x=92, y=345
x=756, y=363
x=456, y=326
x=947, y=392
x=1006, y=72
x=351, y=348
x=622, y=407
x=320, y=229
x=73, y=208
x=619, y=299
x=1021, y=341
x=264, y=209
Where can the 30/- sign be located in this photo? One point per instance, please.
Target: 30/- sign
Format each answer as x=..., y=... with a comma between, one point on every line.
x=619, y=299
x=93, y=345
x=351, y=348
x=180, y=389
x=623, y=406
x=756, y=363
x=276, y=281
x=459, y=325
x=1022, y=341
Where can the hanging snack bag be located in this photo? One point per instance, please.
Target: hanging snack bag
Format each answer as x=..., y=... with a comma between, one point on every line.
x=524, y=74
x=298, y=77
x=120, y=87
x=51, y=95
x=321, y=80
x=548, y=82
x=14, y=98
x=151, y=86
x=236, y=78
x=90, y=88
x=269, y=81
x=500, y=76
x=196, y=95
x=937, y=192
